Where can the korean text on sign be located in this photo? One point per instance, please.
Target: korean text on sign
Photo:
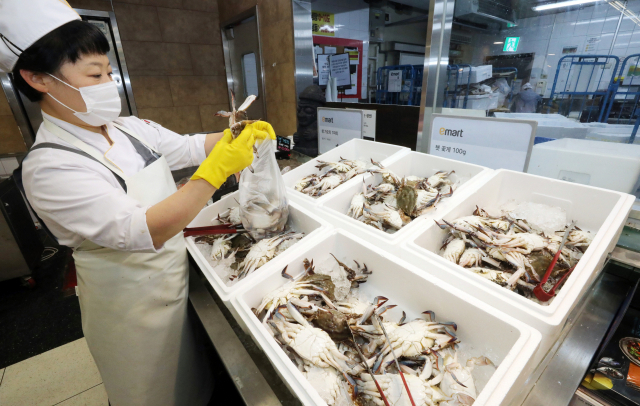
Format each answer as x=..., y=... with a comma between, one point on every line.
x=322, y=23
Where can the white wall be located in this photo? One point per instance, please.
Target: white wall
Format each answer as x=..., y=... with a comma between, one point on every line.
x=547, y=35
x=351, y=21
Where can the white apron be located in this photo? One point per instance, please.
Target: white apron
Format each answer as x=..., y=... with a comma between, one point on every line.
x=134, y=306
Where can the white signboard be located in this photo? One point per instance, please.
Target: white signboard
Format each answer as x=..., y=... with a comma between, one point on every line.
x=491, y=142
x=323, y=69
x=394, y=84
x=337, y=126
x=339, y=64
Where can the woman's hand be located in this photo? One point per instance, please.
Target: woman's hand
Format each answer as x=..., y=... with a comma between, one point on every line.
x=231, y=155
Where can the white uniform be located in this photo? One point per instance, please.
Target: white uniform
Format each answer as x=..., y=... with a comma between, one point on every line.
x=133, y=298
x=80, y=199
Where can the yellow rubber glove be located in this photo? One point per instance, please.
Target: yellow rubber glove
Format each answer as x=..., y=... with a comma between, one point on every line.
x=229, y=156
x=266, y=127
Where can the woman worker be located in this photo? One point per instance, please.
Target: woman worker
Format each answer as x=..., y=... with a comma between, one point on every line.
x=102, y=185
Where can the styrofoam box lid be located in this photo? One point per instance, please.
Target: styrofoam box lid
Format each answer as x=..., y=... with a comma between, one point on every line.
x=482, y=330
x=416, y=164
x=597, y=210
x=592, y=148
x=479, y=96
x=532, y=116
x=299, y=218
x=353, y=149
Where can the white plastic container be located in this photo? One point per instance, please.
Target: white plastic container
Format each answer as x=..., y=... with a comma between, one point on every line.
x=599, y=211
x=354, y=149
x=596, y=163
x=478, y=74
x=481, y=329
x=300, y=220
x=417, y=164
x=480, y=101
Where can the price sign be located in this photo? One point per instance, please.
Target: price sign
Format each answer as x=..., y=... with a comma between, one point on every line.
x=394, y=83
x=339, y=66
x=492, y=142
x=337, y=126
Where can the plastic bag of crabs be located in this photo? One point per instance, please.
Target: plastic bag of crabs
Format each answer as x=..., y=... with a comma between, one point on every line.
x=264, y=208
x=351, y=353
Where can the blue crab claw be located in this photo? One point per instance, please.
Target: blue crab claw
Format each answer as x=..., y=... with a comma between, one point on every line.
x=378, y=164
x=432, y=315
x=285, y=274
x=404, y=317
x=351, y=382
x=451, y=334
x=379, y=311
x=380, y=300
x=297, y=316
x=450, y=324
x=463, y=399
x=442, y=226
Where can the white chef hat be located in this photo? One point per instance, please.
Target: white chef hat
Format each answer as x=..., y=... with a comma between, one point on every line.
x=23, y=22
x=527, y=86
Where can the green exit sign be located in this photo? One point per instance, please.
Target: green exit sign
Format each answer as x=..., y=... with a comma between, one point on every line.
x=511, y=44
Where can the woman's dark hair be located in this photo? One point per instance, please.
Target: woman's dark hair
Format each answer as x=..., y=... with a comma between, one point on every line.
x=67, y=43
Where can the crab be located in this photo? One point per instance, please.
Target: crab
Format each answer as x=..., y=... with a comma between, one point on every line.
x=358, y=203
x=310, y=343
x=458, y=379
x=340, y=167
x=387, y=215
x=438, y=178
x=414, y=338
x=221, y=247
x=308, y=284
x=238, y=118
x=470, y=257
x=307, y=181
x=327, y=182
x=328, y=385
x=229, y=216
x=265, y=250
x=455, y=249
x=521, y=263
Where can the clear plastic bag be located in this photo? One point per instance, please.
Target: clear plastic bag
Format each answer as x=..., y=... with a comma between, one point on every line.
x=264, y=208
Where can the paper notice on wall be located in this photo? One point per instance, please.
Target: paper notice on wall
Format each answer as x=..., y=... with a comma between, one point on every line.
x=339, y=65
x=591, y=44
x=394, y=84
x=330, y=50
x=354, y=81
x=323, y=69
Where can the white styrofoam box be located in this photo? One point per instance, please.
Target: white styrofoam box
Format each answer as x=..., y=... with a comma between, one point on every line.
x=599, y=211
x=464, y=112
x=478, y=74
x=596, y=163
x=480, y=101
x=551, y=125
x=531, y=116
x=481, y=329
x=354, y=149
x=300, y=220
x=618, y=133
x=416, y=164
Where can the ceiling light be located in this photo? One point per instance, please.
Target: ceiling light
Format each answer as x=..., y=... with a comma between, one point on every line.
x=497, y=43
x=562, y=4
x=550, y=54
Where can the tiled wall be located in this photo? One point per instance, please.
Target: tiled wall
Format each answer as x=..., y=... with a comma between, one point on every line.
x=351, y=21
x=276, y=34
x=174, y=56
x=547, y=35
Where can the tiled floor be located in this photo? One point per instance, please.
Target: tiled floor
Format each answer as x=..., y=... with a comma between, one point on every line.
x=64, y=376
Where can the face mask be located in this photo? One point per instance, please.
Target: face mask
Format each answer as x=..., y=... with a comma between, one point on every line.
x=102, y=101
